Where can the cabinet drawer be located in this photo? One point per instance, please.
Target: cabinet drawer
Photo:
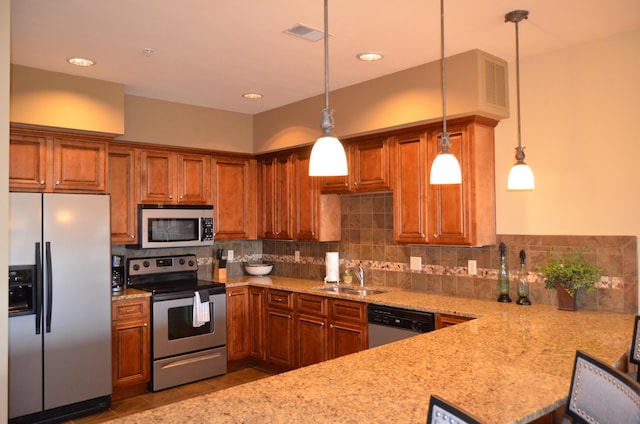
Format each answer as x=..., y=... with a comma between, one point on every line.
x=279, y=299
x=345, y=310
x=311, y=305
x=129, y=309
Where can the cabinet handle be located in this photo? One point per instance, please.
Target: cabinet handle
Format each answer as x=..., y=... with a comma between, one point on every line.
x=57, y=182
x=435, y=236
x=170, y=196
x=41, y=182
x=145, y=324
x=180, y=197
x=132, y=236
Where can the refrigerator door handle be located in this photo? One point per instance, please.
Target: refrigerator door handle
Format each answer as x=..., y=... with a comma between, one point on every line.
x=38, y=287
x=49, y=286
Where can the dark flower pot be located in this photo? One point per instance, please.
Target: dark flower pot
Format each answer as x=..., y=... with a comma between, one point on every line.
x=566, y=302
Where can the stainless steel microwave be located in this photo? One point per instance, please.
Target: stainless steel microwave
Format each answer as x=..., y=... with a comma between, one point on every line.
x=175, y=226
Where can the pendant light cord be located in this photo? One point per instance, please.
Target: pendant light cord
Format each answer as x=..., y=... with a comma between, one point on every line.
x=327, y=118
x=519, y=152
x=444, y=86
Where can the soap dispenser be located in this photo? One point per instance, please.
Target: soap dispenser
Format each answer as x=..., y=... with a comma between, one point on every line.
x=503, y=276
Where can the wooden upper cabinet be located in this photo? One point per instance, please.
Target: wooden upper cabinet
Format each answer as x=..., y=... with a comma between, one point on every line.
x=175, y=178
x=194, y=179
x=79, y=165
x=51, y=161
x=368, y=168
x=457, y=214
x=158, y=176
x=274, y=197
x=316, y=216
x=409, y=166
x=122, y=185
x=28, y=161
x=234, y=198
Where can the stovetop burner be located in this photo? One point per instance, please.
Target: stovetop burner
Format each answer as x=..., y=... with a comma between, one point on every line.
x=162, y=275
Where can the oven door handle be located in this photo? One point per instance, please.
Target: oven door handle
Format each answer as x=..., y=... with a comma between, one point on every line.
x=191, y=360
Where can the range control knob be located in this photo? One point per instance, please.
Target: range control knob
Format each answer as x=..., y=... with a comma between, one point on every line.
x=136, y=267
x=145, y=264
x=191, y=263
x=181, y=261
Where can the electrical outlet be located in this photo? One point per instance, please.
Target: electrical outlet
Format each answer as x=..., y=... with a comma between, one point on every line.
x=415, y=263
x=229, y=255
x=472, y=266
x=297, y=256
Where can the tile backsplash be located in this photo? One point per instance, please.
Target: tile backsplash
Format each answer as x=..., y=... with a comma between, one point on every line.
x=367, y=240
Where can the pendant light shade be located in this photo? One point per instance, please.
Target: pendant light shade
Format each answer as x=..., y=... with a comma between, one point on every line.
x=328, y=157
x=521, y=175
x=445, y=168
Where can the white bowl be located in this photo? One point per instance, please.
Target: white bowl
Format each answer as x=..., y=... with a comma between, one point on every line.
x=258, y=269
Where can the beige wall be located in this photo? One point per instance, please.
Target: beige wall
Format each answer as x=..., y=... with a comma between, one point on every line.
x=406, y=97
x=160, y=122
x=580, y=107
x=5, y=56
x=59, y=100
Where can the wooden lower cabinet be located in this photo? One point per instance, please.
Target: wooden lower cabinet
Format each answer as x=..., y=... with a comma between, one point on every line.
x=445, y=320
x=256, y=323
x=348, y=328
x=130, y=345
x=312, y=329
x=279, y=329
x=238, y=344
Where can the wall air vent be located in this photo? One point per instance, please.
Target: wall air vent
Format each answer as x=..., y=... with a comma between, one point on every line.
x=495, y=82
x=306, y=32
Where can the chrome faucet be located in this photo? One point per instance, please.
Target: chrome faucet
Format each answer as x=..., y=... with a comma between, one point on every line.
x=359, y=275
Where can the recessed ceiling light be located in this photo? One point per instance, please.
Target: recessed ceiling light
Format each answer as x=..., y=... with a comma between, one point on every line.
x=79, y=61
x=370, y=56
x=252, y=95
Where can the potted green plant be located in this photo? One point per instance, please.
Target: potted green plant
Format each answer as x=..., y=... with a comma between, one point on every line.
x=569, y=273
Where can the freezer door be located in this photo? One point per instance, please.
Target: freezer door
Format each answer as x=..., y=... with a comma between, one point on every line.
x=25, y=345
x=77, y=340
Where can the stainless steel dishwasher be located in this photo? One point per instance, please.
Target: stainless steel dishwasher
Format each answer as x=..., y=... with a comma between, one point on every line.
x=388, y=324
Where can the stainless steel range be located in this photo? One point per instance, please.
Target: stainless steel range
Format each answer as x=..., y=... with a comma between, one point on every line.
x=185, y=346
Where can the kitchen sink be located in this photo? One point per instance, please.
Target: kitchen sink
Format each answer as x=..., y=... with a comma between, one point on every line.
x=355, y=290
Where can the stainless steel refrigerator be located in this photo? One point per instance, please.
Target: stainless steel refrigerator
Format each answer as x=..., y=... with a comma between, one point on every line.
x=60, y=356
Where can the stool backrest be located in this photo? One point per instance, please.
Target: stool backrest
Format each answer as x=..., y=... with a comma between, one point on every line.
x=600, y=393
x=443, y=412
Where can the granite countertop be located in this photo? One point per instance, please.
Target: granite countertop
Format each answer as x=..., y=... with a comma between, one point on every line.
x=128, y=294
x=511, y=365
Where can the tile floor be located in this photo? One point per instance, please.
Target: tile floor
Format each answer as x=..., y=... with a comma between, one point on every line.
x=121, y=408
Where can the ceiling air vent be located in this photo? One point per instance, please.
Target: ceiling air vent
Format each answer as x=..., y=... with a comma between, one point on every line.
x=306, y=32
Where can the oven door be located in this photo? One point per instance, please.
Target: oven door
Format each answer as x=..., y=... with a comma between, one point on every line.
x=173, y=330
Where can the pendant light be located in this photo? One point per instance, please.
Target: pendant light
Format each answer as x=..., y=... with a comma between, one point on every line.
x=521, y=175
x=445, y=168
x=328, y=157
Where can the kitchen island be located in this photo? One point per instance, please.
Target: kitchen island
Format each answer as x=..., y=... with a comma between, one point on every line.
x=511, y=364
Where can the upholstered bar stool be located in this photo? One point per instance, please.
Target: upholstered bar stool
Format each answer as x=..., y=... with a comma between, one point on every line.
x=601, y=394
x=443, y=412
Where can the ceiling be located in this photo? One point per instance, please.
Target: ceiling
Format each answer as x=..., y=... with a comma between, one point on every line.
x=210, y=52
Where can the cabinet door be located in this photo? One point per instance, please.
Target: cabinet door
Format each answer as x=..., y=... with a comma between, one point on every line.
x=274, y=198
x=464, y=214
x=122, y=187
x=346, y=338
x=316, y=217
x=194, y=179
x=256, y=323
x=370, y=165
x=237, y=323
x=79, y=165
x=445, y=320
x=311, y=340
x=130, y=346
x=279, y=340
x=27, y=161
x=234, y=198
x=409, y=166
x=158, y=176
